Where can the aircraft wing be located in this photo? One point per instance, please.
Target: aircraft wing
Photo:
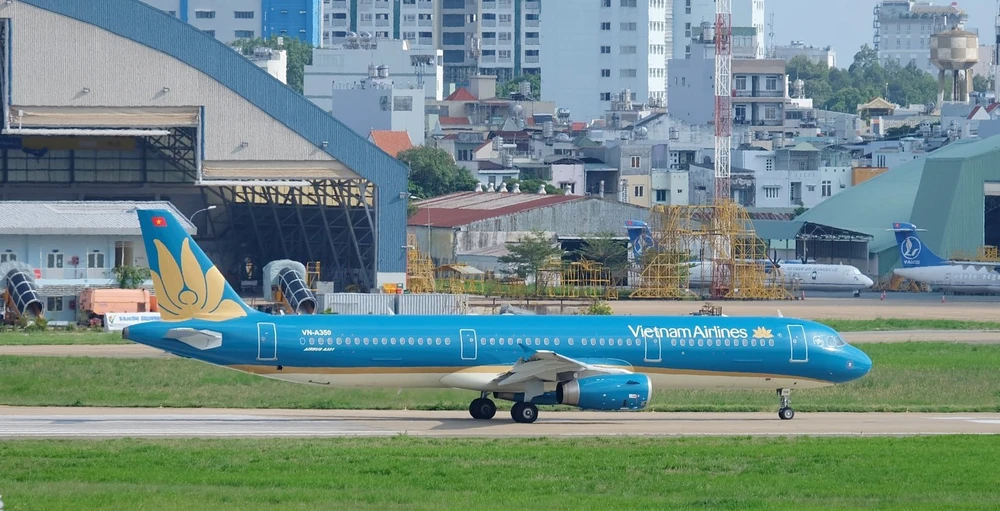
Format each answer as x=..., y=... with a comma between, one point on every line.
x=549, y=366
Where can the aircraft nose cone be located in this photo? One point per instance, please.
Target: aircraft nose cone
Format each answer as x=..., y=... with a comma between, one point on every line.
x=860, y=363
x=868, y=282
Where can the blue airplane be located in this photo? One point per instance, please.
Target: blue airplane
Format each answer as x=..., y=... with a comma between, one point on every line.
x=605, y=363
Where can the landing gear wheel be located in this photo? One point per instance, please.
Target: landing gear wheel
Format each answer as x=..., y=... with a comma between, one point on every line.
x=482, y=409
x=524, y=413
x=785, y=413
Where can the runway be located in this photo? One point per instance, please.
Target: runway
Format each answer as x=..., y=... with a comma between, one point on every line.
x=44, y=422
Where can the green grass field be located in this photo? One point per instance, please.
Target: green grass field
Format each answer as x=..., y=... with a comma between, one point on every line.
x=60, y=337
x=915, y=376
x=842, y=325
x=406, y=473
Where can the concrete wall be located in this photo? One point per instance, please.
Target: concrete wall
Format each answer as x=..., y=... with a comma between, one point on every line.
x=95, y=59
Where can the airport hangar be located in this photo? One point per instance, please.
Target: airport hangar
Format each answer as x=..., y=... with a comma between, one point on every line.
x=953, y=193
x=116, y=100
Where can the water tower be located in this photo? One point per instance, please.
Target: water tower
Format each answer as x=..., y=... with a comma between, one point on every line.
x=955, y=51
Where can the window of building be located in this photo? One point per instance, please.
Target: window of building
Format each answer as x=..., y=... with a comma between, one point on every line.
x=827, y=189
x=503, y=54
x=606, y=25
x=687, y=30
x=687, y=6
x=95, y=260
x=504, y=37
x=771, y=83
x=741, y=83
x=628, y=3
x=770, y=112
x=605, y=73
x=636, y=162
x=244, y=34
x=769, y=164
x=54, y=304
x=627, y=73
x=204, y=14
x=638, y=190
x=605, y=3
x=661, y=196
x=210, y=32
x=771, y=192
x=628, y=49
x=628, y=26
x=54, y=260
x=741, y=113
x=243, y=15
x=605, y=96
x=402, y=103
x=605, y=49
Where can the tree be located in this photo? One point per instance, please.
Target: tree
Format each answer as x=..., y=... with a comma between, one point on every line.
x=605, y=249
x=530, y=254
x=299, y=55
x=982, y=84
x=511, y=86
x=130, y=277
x=434, y=173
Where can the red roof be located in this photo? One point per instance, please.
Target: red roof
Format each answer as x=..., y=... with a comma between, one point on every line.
x=454, y=121
x=461, y=94
x=578, y=126
x=392, y=142
x=464, y=208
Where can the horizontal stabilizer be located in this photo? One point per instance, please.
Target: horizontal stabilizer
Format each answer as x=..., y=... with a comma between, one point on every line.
x=200, y=339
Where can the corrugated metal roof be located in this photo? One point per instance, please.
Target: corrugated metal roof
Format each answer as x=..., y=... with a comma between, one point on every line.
x=872, y=206
x=466, y=207
x=86, y=218
x=777, y=229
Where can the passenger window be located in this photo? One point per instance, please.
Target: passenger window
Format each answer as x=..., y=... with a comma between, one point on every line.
x=447, y=341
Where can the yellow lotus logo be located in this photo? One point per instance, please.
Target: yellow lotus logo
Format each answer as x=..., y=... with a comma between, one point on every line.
x=762, y=333
x=188, y=292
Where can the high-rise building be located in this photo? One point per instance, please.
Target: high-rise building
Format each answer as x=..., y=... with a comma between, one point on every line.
x=228, y=20
x=496, y=37
x=903, y=30
x=601, y=49
x=688, y=15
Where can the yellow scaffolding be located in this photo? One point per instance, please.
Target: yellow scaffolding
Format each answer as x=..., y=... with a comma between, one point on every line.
x=722, y=238
x=419, y=268
x=986, y=254
x=312, y=275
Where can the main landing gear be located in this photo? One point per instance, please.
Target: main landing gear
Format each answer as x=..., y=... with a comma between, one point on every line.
x=483, y=408
x=785, y=413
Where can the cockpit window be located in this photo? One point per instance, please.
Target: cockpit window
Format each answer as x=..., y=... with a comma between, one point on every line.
x=834, y=341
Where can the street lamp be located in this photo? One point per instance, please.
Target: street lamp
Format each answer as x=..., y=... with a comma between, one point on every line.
x=200, y=210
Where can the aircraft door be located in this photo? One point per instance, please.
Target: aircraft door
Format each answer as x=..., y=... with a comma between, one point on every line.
x=797, y=340
x=653, y=350
x=469, y=346
x=267, y=341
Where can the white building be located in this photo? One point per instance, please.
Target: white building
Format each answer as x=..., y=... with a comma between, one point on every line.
x=669, y=187
x=791, y=177
x=379, y=104
x=275, y=62
x=815, y=54
x=350, y=63
x=903, y=29
x=601, y=48
x=472, y=34
x=688, y=15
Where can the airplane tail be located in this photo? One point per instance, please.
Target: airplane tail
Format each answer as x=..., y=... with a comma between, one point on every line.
x=188, y=285
x=639, y=236
x=912, y=250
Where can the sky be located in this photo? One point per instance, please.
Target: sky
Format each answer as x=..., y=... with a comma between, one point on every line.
x=847, y=24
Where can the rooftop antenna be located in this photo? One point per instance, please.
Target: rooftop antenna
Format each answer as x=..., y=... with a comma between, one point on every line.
x=771, y=49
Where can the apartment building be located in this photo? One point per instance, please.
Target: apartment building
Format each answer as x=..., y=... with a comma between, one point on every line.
x=688, y=15
x=602, y=48
x=495, y=37
x=228, y=20
x=815, y=54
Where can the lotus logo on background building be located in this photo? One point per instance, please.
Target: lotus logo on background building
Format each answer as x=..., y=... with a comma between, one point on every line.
x=189, y=292
x=911, y=247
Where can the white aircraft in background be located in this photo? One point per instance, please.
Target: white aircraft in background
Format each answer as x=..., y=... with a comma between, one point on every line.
x=920, y=264
x=807, y=276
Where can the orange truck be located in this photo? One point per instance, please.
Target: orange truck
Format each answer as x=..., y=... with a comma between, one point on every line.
x=95, y=303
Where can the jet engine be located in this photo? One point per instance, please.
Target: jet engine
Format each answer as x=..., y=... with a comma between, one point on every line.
x=607, y=392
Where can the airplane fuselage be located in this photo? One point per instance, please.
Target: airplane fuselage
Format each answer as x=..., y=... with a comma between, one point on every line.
x=468, y=352
x=808, y=277
x=967, y=278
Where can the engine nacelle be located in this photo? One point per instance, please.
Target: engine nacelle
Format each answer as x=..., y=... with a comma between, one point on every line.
x=608, y=393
